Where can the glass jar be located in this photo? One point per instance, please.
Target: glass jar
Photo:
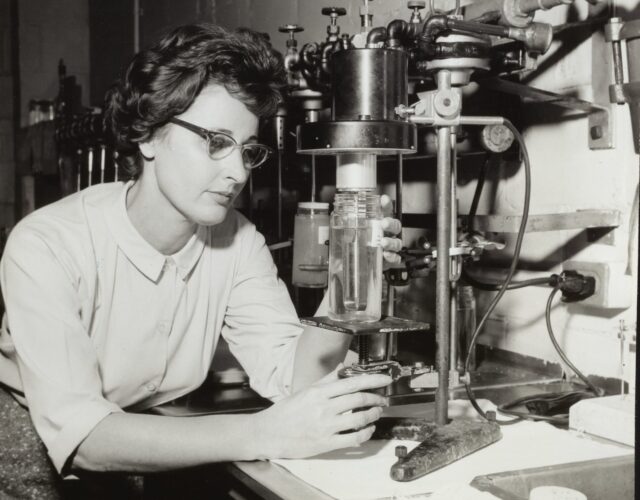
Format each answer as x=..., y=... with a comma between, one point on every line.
x=310, y=248
x=355, y=258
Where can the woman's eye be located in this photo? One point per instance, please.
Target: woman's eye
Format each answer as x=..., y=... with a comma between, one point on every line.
x=218, y=143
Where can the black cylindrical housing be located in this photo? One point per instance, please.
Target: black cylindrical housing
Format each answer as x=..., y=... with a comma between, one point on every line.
x=368, y=83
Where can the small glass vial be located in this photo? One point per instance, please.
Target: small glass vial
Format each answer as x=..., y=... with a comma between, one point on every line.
x=310, y=249
x=466, y=323
x=355, y=258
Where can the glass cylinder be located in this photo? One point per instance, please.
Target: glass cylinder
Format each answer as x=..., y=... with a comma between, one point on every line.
x=466, y=324
x=310, y=249
x=355, y=258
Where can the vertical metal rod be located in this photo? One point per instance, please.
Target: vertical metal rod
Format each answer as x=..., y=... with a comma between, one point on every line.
x=399, y=183
x=453, y=355
x=103, y=161
x=79, y=171
x=115, y=166
x=89, y=166
x=443, y=287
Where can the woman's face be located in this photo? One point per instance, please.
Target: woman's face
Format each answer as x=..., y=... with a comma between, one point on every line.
x=199, y=188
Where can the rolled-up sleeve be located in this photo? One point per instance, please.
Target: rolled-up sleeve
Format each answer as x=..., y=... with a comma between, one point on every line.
x=57, y=362
x=261, y=324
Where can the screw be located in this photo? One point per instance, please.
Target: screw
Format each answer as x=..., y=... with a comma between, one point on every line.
x=401, y=451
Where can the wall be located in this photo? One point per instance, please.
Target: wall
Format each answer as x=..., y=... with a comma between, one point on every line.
x=50, y=31
x=567, y=176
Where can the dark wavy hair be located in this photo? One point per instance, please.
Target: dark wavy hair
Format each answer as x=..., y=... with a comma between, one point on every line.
x=164, y=80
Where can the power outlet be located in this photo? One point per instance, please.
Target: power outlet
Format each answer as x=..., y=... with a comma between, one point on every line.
x=614, y=288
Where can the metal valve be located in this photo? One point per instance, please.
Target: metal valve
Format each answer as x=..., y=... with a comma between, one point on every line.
x=292, y=29
x=333, y=30
x=416, y=5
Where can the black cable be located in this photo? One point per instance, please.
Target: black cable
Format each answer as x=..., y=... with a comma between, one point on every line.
x=512, y=270
x=478, y=192
x=545, y=399
x=514, y=285
x=587, y=382
x=476, y=283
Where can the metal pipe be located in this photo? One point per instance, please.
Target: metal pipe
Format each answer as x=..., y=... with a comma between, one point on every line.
x=399, y=183
x=103, y=161
x=89, y=166
x=79, y=170
x=453, y=355
x=443, y=287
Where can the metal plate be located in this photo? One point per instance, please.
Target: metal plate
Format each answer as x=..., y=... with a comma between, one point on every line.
x=388, y=324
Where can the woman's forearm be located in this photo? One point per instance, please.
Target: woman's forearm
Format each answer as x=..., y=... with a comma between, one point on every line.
x=148, y=443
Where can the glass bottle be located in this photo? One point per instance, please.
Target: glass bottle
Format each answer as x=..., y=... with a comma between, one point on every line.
x=355, y=257
x=310, y=249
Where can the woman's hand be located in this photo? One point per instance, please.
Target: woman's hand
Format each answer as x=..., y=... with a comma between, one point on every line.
x=319, y=419
x=391, y=227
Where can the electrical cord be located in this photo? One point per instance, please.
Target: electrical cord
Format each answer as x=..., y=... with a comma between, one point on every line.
x=475, y=282
x=507, y=281
x=548, y=401
x=514, y=285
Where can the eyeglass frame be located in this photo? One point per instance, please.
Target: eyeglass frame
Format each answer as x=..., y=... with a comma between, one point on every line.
x=208, y=134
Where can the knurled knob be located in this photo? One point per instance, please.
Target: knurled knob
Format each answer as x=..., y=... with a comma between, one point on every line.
x=290, y=28
x=416, y=4
x=334, y=11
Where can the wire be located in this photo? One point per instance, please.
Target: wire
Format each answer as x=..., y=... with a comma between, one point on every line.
x=587, y=382
x=543, y=400
x=478, y=192
x=475, y=282
x=512, y=270
x=514, y=285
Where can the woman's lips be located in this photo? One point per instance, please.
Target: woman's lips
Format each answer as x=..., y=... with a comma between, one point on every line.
x=222, y=197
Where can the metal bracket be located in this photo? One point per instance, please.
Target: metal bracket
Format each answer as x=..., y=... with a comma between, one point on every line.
x=600, y=123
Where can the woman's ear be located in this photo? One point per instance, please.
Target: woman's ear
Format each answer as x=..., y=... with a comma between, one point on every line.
x=147, y=150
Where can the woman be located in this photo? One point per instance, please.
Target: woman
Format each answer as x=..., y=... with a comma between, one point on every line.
x=116, y=295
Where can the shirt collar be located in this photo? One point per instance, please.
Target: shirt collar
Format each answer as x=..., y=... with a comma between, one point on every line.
x=140, y=253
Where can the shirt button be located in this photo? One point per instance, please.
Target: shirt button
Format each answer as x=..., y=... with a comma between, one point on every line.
x=151, y=387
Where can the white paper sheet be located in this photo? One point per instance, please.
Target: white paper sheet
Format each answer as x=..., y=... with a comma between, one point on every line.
x=363, y=473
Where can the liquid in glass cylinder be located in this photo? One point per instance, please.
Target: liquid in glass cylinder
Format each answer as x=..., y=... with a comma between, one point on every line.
x=355, y=266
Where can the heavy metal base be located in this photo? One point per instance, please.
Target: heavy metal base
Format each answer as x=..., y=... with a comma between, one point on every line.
x=441, y=444
x=388, y=324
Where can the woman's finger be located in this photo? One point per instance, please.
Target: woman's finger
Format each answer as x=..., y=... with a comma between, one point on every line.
x=355, y=384
x=357, y=420
x=391, y=225
x=357, y=400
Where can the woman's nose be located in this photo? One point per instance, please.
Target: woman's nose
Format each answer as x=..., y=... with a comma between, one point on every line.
x=236, y=168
